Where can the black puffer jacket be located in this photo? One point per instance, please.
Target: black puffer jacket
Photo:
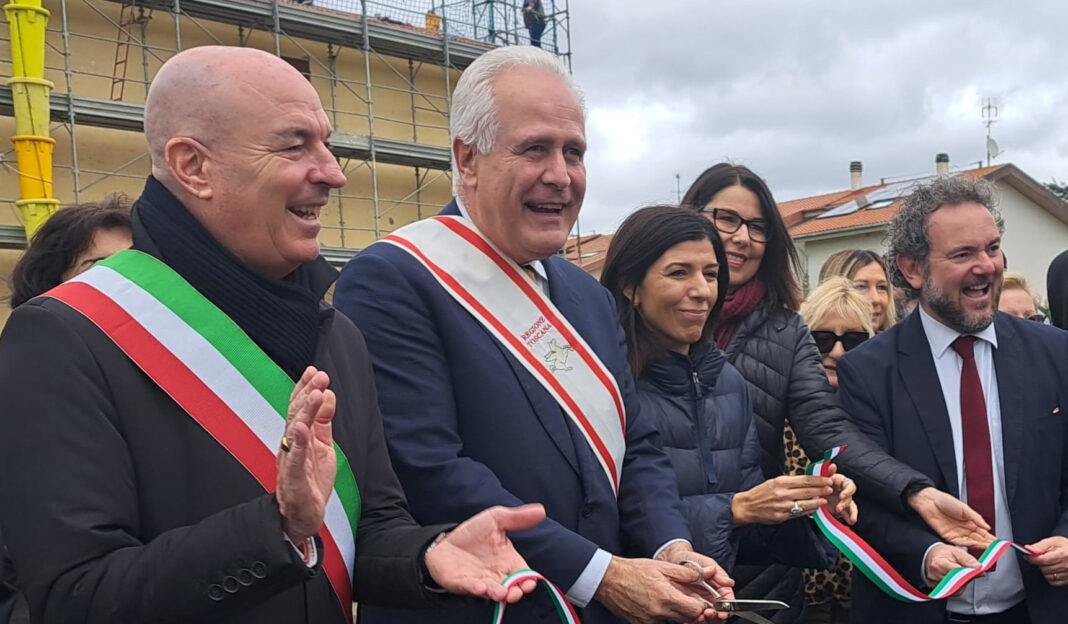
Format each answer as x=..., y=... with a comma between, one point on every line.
x=700, y=406
x=775, y=353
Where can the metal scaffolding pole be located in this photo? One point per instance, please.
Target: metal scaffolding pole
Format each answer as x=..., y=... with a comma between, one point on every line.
x=71, y=117
x=370, y=116
x=331, y=60
x=177, y=12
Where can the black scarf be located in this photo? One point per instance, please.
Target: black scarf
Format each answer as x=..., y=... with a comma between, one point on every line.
x=280, y=316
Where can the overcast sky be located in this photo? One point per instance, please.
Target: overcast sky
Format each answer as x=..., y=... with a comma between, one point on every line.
x=796, y=89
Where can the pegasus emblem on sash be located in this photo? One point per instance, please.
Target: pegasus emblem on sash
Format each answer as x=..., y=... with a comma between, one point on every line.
x=557, y=356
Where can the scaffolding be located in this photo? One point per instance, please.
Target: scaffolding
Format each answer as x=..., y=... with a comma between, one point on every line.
x=384, y=70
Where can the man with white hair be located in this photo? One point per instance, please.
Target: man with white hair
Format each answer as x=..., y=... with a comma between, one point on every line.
x=501, y=368
x=189, y=434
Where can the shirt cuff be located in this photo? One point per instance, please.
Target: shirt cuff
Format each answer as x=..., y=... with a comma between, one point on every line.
x=669, y=543
x=581, y=592
x=309, y=554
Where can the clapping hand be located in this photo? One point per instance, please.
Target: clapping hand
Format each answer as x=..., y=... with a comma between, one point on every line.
x=307, y=462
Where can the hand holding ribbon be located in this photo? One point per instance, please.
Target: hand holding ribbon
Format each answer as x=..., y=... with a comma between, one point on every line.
x=878, y=571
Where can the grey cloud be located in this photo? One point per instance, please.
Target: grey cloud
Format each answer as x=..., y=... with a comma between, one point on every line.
x=797, y=89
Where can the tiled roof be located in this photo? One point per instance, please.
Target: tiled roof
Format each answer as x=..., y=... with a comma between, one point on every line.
x=809, y=206
x=593, y=247
x=794, y=211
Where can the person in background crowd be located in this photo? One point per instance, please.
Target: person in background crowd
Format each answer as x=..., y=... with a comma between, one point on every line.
x=140, y=476
x=973, y=398
x=769, y=344
x=840, y=320
x=534, y=20
x=68, y=243
x=1017, y=298
x=492, y=424
x=666, y=269
x=867, y=271
x=1057, y=290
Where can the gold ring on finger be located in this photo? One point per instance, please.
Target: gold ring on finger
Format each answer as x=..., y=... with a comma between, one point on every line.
x=286, y=447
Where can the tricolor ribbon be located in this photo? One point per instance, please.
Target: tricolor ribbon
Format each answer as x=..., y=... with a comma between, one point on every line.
x=563, y=608
x=878, y=571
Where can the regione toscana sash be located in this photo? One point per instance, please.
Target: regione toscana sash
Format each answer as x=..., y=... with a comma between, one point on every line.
x=517, y=313
x=214, y=371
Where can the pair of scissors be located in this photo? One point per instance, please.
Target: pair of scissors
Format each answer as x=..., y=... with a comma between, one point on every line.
x=745, y=609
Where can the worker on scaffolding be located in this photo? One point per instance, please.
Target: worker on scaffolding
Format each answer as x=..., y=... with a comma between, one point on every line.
x=534, y=20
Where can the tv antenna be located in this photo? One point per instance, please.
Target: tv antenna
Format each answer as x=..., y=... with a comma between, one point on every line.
x=990, y=117
x=678, y=188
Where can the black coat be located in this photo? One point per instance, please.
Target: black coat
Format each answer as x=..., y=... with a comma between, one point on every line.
x=773, y=350
x=700, y=405
x=775, y=353
x=892, y=389
x=118, y=507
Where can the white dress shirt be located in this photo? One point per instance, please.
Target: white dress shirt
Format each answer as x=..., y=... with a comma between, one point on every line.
x=582, y=590
x=1001, y=589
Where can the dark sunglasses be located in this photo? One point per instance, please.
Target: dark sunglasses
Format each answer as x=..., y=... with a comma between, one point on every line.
x=850, y=340
x=729, y=222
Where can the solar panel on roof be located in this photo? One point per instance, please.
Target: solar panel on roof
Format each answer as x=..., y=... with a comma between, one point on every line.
x=839, y=211
x=895, y=190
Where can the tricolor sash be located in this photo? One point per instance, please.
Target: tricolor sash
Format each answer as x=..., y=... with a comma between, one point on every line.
x=878, y=571
x=517, y=313
x=213, y=370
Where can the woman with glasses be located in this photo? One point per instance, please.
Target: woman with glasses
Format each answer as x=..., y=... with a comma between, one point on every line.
x=1018, y=299
x=867, y=270
x=769, y=344
x=840, y=320
x=665, y=270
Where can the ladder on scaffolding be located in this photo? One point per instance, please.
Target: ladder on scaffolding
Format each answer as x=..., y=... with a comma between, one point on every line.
x=129, y=15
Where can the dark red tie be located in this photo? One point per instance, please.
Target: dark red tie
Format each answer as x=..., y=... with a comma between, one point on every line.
x=978, y=468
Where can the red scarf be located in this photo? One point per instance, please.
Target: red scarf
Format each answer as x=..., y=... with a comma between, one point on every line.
x=736, y=307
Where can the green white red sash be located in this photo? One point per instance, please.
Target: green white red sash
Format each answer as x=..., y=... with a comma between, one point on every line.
x=214, y=371
x=878, y=571
x=564, y=610
x=499, y=295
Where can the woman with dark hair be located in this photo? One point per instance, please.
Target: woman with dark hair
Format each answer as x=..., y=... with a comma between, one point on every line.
x=68, y=243
x=769, y=344
x=867, y=270
x=665, y=269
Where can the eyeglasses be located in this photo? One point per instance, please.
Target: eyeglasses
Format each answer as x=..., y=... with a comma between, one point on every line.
x=729, y=222
x=825, y=340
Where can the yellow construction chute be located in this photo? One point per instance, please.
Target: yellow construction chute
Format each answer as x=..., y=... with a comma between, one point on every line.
x=30, y=91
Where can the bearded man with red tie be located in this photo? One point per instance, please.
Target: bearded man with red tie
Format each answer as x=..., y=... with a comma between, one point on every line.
x=973, y=398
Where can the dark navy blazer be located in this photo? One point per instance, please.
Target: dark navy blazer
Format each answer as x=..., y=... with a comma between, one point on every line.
x=468, y=427
x=890, y=387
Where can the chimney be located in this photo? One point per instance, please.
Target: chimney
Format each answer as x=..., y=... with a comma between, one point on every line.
x=942, y=165
x=856, y=175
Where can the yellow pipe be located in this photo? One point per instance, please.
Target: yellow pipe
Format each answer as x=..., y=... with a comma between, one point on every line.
x=33, y=147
